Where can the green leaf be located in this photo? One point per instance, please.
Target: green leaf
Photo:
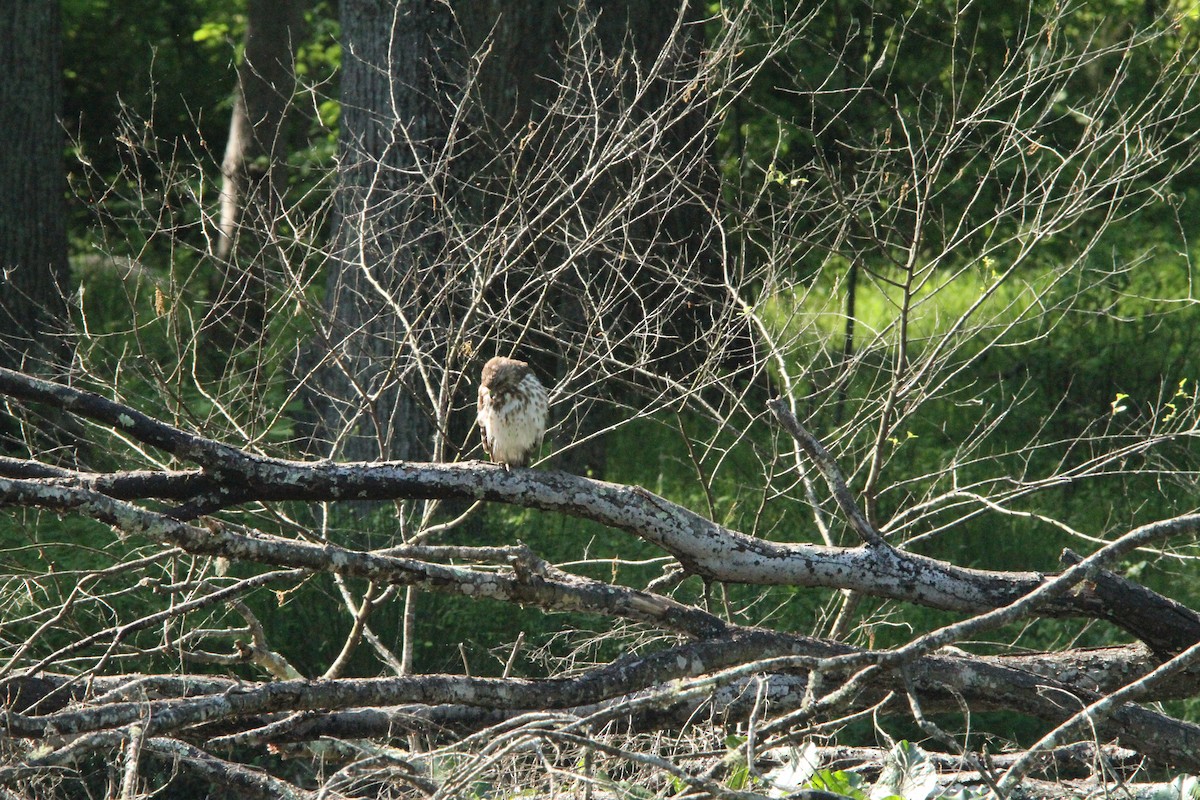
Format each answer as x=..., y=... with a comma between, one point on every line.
x=847, y=784
x=211, y=30
x=330, y=111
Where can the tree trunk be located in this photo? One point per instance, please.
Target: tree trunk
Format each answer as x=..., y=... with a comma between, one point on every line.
x=33, y=232
x=266, y=82
x=551, y=73
x=382, y=341
x=441, y=110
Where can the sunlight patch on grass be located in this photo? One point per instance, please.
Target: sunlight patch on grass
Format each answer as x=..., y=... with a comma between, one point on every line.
x=815, y=315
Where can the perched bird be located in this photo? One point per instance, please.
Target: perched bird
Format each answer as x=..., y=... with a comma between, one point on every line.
x=512, y=412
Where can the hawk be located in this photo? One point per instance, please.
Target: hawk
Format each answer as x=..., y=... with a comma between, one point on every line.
x=512, y=412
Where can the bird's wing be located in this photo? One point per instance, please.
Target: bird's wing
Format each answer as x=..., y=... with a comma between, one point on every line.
x=483, y=403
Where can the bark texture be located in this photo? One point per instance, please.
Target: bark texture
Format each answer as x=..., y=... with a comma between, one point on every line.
x=33, y=231
x=394, y=122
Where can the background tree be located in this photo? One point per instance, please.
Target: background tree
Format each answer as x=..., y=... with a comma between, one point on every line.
x=478, y=85
x=34, y=323
x=641, y=57
x=33, y=233
x=252, y=169
x=381, y=353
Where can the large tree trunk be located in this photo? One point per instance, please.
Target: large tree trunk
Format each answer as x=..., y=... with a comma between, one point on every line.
x=381, y=341
x=34, y=275
x=33, y=232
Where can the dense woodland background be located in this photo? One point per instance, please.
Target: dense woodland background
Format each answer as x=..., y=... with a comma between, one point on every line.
x=956, y=238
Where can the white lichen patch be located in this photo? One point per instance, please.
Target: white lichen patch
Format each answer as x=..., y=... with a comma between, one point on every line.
x=125, y=420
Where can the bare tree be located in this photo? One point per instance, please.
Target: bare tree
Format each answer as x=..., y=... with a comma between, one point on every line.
x=975, y=222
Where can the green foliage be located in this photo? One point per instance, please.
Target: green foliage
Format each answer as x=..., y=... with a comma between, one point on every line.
x=212, y=32
x=141, y=59
x=846, y=784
